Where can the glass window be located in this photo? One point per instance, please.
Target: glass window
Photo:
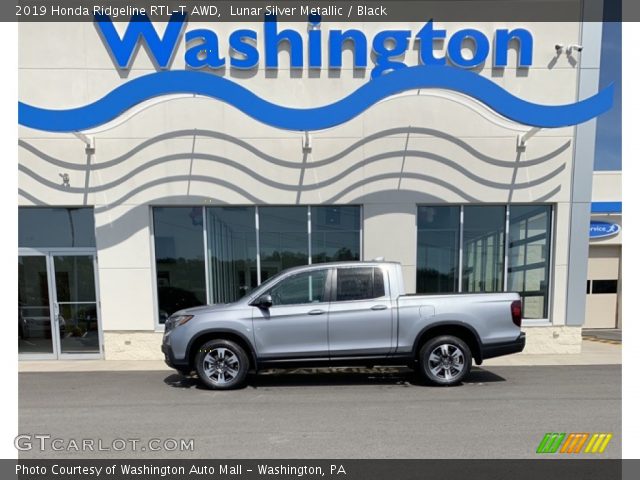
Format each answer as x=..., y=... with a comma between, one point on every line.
x=438, y=249
x=231, y=234
x=76, y=295
x=78, y=323
x=359, y=284
x=55, y=227
x=179, y=246
x=605, y=286
x=232, y=248
x=74, y=278
x=34, y=315
x=284, y=240
x=335, y=234
x=483, y=249
x=301, y=288
x=528, y=273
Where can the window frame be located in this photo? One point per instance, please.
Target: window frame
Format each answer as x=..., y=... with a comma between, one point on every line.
x=159, y=327
x=548, y=265
x=456, y=251
x=505, y=247
x=546, y=320
x=208, y=253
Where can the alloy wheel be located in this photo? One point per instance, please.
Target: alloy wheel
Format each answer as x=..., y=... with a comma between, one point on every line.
x=446, y=361
x=221, y=365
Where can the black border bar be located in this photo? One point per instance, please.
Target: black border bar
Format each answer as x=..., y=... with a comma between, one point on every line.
x=331, y=11
x=548, y=467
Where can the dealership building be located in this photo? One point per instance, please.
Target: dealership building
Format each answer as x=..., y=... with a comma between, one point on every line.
x=190, y=183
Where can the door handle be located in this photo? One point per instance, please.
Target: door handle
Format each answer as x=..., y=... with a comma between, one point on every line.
x=379, y=307
x=316, y=312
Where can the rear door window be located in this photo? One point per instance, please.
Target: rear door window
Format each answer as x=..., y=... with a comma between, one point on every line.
x=359, y=283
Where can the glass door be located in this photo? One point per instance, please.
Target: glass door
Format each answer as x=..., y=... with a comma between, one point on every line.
x=58, y=311
x=75, y=306
x=35, y=323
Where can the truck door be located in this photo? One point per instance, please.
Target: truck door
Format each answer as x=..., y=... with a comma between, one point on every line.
x=360, y=314
x=295, y=326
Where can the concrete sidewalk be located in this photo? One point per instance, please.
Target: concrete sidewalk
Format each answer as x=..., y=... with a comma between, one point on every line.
x=593, y=353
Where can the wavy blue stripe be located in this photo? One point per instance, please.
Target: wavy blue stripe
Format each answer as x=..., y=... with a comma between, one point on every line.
x=169, y=82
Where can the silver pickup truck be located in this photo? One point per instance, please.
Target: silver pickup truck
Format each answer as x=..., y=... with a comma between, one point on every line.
x=343, y=314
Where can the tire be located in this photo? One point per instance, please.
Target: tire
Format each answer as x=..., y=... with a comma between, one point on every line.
x=222, y=365
x=445, y=360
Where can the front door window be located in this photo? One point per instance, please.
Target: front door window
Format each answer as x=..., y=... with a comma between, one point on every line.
x=307, y=287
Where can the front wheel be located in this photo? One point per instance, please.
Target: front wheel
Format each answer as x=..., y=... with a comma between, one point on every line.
x=445, y=360
x=222, y=365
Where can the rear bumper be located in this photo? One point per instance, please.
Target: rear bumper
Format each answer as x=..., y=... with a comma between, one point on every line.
x=504, y=348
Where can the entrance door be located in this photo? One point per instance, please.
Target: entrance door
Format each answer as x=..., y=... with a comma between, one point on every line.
x=57, y=309
x=35, y=326
x=603, y=287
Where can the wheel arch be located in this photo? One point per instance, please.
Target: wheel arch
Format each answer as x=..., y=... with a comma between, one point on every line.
x=221, y=334
x=464, y=331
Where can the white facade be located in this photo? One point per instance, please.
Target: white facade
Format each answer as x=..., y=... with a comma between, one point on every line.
x=604, y=280
x=428, y=147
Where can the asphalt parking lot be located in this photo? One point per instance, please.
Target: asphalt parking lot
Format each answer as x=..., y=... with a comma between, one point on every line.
x=501, y=412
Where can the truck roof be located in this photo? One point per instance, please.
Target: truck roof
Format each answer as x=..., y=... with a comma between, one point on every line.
x=363, y=263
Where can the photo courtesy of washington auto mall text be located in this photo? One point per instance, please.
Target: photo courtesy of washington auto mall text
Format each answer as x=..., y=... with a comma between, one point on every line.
x=127, y=470
x=300, y=239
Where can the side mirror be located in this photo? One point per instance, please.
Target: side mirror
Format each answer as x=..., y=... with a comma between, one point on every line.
x=263, y=301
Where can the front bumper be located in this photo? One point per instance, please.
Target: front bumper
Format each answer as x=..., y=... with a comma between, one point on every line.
x=504, y=348
x=169, y=357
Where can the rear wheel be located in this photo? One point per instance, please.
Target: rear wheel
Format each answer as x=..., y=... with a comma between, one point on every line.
x=445, y=360
x=222, y=365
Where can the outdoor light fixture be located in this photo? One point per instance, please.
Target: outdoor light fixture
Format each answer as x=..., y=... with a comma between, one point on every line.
x=89, y=141
x=65, y=179
x=576, y=47
x=306, y=143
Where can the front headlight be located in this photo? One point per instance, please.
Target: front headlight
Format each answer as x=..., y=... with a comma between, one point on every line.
x=174, y=322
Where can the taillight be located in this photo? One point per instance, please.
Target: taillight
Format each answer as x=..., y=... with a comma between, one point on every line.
x=516, y=312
